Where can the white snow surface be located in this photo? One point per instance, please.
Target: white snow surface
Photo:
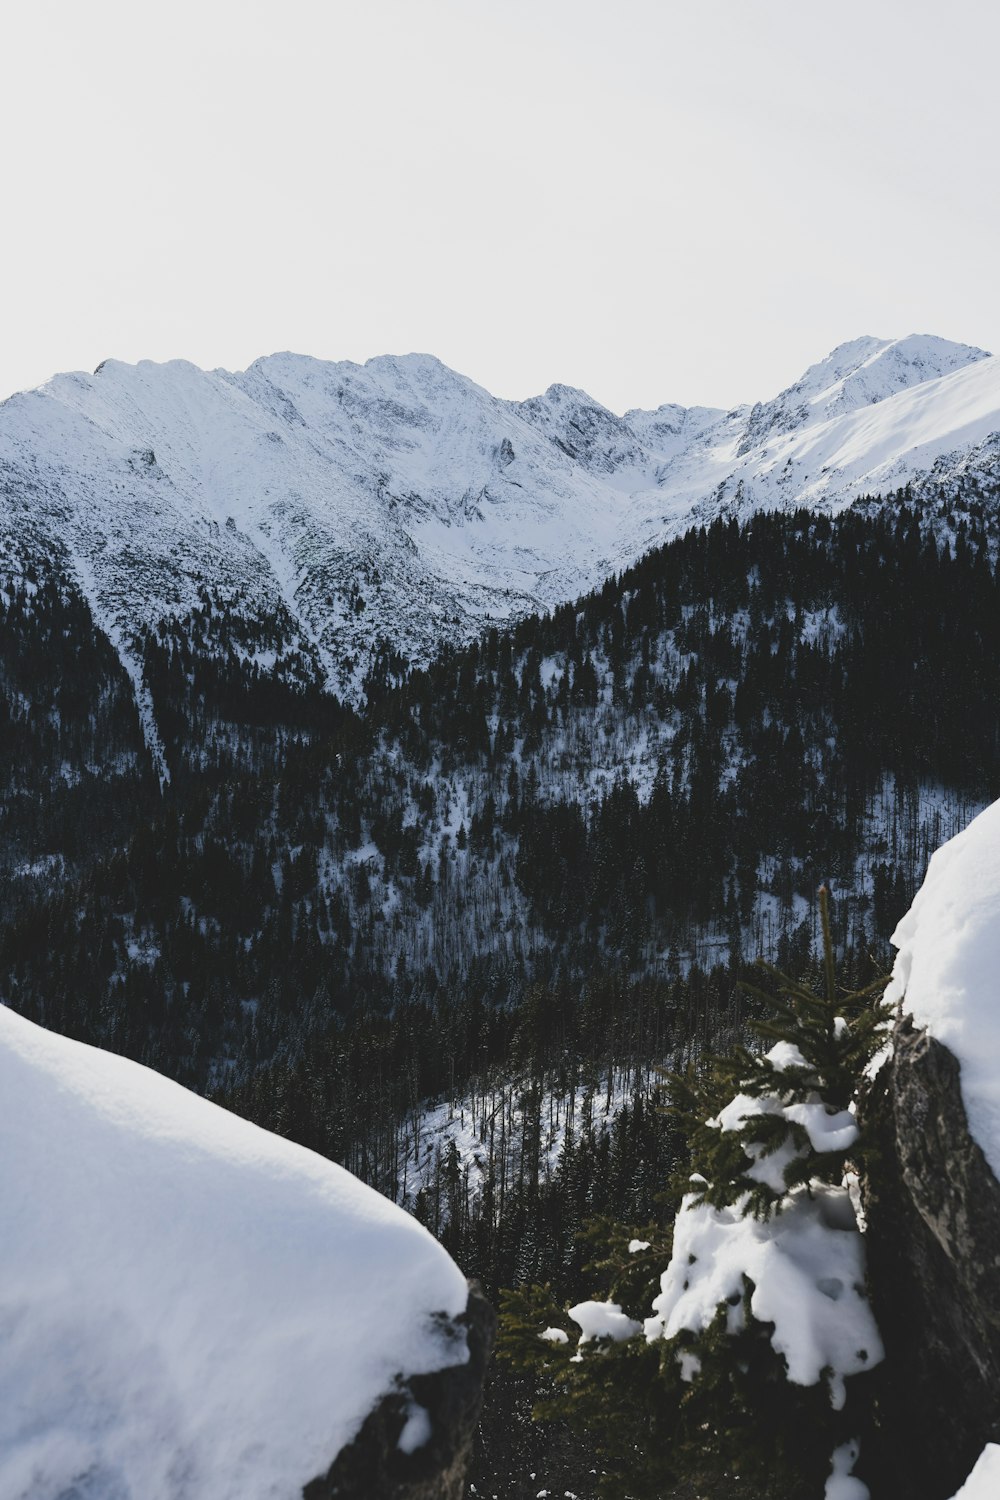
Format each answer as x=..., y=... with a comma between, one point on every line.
x=827, y=1131
x=947, y=970
x=807, y=1269
x=190, y=1307
x=398, y=498
x=603, y=1320
x=984, y=1481
x=842, y=1485
x=416, y=1429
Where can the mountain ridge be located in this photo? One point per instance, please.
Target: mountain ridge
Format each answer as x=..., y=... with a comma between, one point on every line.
x=398, y=504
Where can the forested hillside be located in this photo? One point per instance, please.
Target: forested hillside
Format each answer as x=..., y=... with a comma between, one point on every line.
x=447, y=939
x=537, y=865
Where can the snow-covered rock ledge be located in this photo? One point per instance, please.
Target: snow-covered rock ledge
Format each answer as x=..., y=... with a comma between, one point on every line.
x=933, y=1196
x=193, y=1309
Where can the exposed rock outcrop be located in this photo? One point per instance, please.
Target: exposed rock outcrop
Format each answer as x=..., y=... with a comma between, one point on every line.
x=933, y=1207
x=375, y=1467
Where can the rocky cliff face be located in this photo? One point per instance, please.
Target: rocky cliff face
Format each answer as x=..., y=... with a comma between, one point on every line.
x=933, y=1208
x=445, y=1404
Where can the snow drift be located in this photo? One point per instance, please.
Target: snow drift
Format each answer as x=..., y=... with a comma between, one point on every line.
x=947, y=970
x=190, y=1307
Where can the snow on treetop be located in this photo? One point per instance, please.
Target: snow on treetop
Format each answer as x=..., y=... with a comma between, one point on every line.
x=191, y=1308
x=946, y=971
x=806, y=1266
x=603, y=1320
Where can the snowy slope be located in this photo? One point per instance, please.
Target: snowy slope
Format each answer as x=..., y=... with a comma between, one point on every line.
x=399, y=500
x=860, y=373
x=191, y=1308
x=947, y=970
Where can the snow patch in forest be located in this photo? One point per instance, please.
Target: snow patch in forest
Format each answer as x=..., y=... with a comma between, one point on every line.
x=470, y=1131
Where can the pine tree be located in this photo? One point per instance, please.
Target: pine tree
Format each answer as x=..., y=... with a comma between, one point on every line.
x=823, y=1042
x=760, y=1321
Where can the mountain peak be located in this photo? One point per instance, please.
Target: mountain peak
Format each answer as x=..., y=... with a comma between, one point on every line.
x=583, y=429
x=399, y=499
x=871, y=368
x=858, y=373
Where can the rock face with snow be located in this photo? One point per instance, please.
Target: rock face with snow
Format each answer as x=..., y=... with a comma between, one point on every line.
x=933, y=1196
x=397, y=501
x=385, y=1462
x=193, y=1309
x=934, y=1262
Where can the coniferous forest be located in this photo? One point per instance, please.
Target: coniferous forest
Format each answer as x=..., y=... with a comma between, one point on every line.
x=451, y=937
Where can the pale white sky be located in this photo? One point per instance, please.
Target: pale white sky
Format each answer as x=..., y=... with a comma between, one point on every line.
x=655, y=201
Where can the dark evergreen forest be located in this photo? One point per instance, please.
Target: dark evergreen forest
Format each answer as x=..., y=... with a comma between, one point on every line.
x=447, y=940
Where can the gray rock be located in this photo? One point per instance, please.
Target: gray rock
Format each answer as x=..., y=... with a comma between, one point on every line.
x=933, y=1208
x=374, y=1467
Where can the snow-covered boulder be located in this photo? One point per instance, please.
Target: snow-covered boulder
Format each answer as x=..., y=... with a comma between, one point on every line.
x=194, y=1309
x=984, y=1481
x=933, y=1198
x=947, y=971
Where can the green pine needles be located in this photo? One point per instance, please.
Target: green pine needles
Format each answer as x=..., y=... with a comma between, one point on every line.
x=736, y=1368
x=823, y=1042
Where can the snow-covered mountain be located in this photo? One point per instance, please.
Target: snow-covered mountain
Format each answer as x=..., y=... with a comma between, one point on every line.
x=399, y=501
